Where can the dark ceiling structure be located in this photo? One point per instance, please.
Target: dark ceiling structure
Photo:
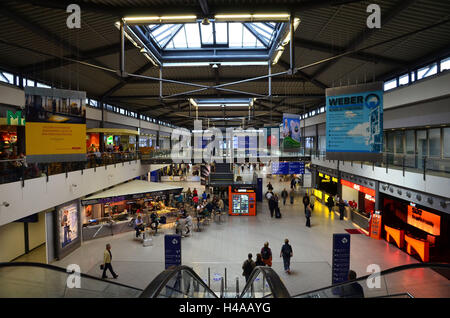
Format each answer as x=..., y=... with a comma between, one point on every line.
x=332, y=47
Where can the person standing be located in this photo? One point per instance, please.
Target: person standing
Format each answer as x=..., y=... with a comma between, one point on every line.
x=306, y=201
x=292, y=195
x=272, y=205
x=341, y=206
x=269, y=186
x=308, y=215
x=293, y=183
x=248, y=267
x=266, y=254
x=286, y=253
x=107, y=257
x=259, y=261
x=284, y=195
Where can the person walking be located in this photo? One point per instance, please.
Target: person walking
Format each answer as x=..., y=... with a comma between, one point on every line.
x=308, y=215
x=292, y=195
x=107, y=257
x=266, y=254
x=259, y=261
x=293, y=182
x=248, y=267
x=284, y=195
x=352, y=290
x=330, y=203
x=286, y=253
x=341, y=206
x=306, y=201
x=272, y=205
x=270, y=186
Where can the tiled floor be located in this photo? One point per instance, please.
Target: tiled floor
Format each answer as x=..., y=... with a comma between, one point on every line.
x=227, y=244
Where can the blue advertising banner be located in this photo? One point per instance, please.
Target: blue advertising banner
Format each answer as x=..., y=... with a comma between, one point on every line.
x=291, y=132
x=172, y=250
x=354, y=122
x=341, y=258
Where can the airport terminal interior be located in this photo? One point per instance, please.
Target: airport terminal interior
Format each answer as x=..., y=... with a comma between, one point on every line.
x=224, y=149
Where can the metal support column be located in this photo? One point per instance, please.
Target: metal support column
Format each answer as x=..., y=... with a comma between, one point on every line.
x=122, y=50
x=292, y=46
x=270, y=78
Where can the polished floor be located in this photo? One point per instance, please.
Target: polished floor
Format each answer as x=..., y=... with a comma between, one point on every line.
x=224, y=246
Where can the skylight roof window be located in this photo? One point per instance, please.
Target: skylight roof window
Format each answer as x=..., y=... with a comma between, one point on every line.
x=218, y=41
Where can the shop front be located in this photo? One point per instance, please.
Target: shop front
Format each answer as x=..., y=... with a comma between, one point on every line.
x=326, y=185
x=418, y=230
x=113, y=211
x=361, y=202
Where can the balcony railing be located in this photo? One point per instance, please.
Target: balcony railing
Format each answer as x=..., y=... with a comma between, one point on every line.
x=405, y=162
x=12, y=170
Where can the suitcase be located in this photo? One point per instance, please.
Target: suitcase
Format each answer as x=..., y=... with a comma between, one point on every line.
x=147, y=242
x=277, y=213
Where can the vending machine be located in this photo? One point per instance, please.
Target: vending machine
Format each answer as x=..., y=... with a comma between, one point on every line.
x=242, y=201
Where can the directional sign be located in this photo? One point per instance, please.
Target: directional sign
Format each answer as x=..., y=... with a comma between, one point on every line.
x=172, y=249
x=341, y=258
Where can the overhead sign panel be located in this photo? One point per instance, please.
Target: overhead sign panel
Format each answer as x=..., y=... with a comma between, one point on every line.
x=291, y=132
x=354, y=122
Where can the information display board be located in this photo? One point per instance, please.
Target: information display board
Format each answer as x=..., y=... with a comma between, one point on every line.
x=293, y=167
x=354, y=122
x=172, y=250
x=341, y=258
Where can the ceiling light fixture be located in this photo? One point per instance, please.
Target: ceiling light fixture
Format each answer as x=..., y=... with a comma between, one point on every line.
x=206, y=21
x=162, y=19
x=247, y=17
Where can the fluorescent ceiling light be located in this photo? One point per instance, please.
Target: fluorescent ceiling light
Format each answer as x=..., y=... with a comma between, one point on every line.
x=208, y=64
x=193, y=102
x=156, y=19
x=252, y=17
x=226, y=105
x=279, y=52
x=287, y=38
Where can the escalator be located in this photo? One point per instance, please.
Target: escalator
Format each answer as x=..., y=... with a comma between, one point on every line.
x=34, y=280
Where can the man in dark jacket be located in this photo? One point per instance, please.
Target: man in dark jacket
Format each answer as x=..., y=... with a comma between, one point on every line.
x=248, y=267
x=306, y=201
x=286, y=253
x=284, y=195
x=272, y=205
x=330, y=203
x=341, y=206
x=353, y=290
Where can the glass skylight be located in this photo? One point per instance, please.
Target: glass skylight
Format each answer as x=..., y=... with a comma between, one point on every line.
x=221, y=34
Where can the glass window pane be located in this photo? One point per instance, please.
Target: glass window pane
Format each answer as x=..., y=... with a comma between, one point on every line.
x=179, y=41
x=403, y=80
x=390, y=84
x=421, y=141
x=221, y=33
x=445, y=64
x=207, y=34
x=427, y=71
x=236, y=34
x=399, y=142
x=6, y=77
x=192, y=35
x=413, y=76
x=446, y=137
x=410, y=142
x=434, y=136
x=390, y=142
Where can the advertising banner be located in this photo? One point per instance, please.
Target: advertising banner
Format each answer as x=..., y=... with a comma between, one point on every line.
x=55, y=129
x=354, y=122
x=291, y=132
x=68, y=228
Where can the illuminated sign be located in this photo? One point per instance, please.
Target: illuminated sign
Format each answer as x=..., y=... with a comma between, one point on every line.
x=369, y=197
x=15, y=119
x=424, y=220
x=358, y=187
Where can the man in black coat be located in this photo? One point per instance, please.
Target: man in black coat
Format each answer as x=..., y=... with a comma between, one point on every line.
x=306, y=201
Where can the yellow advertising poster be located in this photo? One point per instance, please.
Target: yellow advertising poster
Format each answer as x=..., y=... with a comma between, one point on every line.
x=48, y=138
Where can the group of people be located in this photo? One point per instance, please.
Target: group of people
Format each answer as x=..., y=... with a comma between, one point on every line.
x=264, y=258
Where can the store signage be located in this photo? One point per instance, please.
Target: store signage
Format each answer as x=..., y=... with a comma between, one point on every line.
x=354, y=122
x=341, y=258
x=369, y=197
x=358, y=187
x=15, y=119
x=424, y=220
x=172, y=250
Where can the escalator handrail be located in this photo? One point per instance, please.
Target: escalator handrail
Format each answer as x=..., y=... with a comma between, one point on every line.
x=385, y=272
x=160, y=281
x=277, y=288
x=62, y=270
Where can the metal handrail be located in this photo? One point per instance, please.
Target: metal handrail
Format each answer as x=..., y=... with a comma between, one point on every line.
x=62, y=270
x=385, y=272
x=277, y=288
x=156, y=286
